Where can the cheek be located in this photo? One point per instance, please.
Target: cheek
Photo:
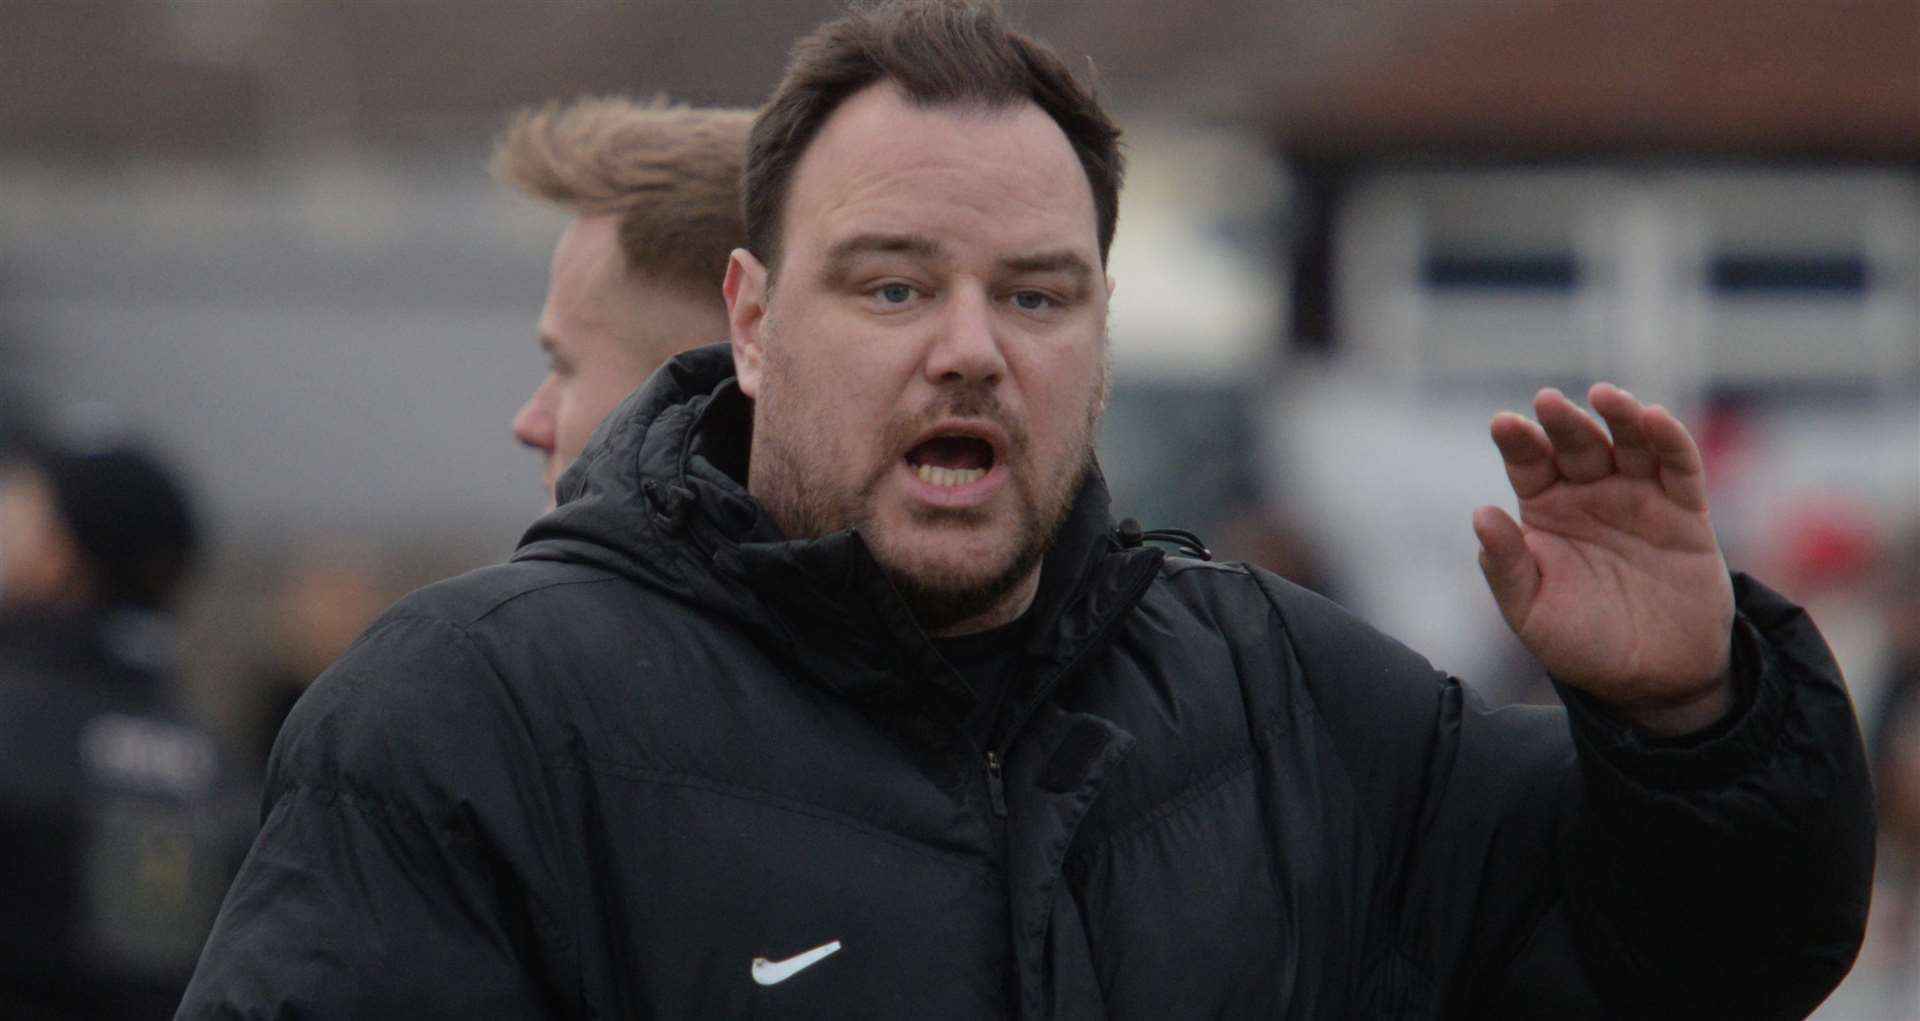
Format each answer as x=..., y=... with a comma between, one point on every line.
x=573, y=420
x=839, y=396
x=1060, y=390
x=593, y=397
x=836, y=427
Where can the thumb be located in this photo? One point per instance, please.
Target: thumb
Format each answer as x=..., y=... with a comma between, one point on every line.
x=1507, y=563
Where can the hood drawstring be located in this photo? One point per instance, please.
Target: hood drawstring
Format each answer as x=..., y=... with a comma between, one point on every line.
x=1131, y=536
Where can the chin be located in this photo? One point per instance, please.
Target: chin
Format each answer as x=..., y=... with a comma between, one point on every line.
x=947, y=578
x=944, y=563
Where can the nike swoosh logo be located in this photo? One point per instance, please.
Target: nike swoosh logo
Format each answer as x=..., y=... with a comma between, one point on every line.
x=772, y=973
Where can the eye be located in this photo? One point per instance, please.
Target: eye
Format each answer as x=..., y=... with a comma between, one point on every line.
x=894, y=294
x=1032, y=301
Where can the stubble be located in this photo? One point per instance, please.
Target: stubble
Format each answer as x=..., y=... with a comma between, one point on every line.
x=804, y=505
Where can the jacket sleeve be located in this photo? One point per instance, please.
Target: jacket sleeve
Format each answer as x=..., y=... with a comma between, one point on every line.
x=1530, y=862
x=387, y=879
x=1747, y=849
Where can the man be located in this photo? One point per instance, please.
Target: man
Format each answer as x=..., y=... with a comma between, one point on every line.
x=656, y=195
x=110, y=825
x=835, y=693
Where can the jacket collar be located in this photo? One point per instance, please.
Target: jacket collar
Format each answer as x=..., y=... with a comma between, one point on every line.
x=658, y=496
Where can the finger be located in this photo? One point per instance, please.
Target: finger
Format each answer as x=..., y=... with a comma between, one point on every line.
x=1631, y=453
x=1512, y=574
x=1683, y=475
x=1527, y=453
x=1580, y=446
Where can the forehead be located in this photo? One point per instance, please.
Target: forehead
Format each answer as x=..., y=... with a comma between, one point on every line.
x=588, y=252
x=588, y=281
x=998, y=179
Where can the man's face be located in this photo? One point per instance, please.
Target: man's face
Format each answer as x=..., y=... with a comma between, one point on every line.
x=930, y=364
x=605, y=329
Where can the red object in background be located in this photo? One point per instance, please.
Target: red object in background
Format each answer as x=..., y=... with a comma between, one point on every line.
x=1726, y=441
x=1825, y=542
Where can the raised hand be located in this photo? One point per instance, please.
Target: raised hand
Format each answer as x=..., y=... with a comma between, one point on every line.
x=1612, y=577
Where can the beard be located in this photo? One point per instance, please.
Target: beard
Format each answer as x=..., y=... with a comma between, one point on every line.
x=787, y=475
x=942, y=597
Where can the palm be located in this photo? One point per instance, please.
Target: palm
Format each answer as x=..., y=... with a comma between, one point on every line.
x=1612, y=577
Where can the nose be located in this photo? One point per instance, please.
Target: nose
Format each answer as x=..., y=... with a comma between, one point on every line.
x=533, y=425
x=967, y=347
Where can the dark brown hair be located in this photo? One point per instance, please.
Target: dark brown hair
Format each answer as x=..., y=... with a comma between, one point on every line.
x=672, y=173
x=936, y=52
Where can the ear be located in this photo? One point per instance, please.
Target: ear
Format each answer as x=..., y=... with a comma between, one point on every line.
x=1109, y=287
x=746, y=292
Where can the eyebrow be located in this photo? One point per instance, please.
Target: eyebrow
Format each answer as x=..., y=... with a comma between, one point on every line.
x=885, y=244
x=1063, y=260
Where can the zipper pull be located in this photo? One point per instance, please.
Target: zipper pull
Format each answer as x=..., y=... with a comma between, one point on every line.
x=995, y=792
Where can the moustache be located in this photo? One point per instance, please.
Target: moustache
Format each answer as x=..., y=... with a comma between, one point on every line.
x=973, y=401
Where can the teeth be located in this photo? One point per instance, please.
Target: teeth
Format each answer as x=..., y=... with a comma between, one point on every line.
x=948, y=477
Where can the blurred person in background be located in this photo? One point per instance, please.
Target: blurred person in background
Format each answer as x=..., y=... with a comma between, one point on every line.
x=113, y=849
x=832, y=689
x=635, y=280
x=326, y=597
x=1895, y=732
x=1266, y=535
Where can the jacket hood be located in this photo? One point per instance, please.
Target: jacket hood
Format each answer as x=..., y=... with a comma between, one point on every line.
x=658, y=496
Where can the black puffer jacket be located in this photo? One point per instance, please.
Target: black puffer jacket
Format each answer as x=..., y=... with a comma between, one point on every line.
x=601, y=780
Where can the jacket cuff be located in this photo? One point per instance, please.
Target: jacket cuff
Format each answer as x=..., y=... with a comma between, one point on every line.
x=1743, y=740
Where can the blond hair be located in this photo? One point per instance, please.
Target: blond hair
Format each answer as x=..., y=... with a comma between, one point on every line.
x=671, y=173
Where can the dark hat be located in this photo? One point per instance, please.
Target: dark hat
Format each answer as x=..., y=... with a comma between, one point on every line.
x=130, y=517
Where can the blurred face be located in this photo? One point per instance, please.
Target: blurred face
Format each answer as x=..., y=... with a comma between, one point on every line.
x=929, y=366
x=40, y=565
x=605, y=329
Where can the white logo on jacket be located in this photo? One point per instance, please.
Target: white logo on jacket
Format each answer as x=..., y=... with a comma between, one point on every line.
x=772, y=973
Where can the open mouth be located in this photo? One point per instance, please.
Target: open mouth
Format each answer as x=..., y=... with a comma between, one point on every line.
x=950, y=460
